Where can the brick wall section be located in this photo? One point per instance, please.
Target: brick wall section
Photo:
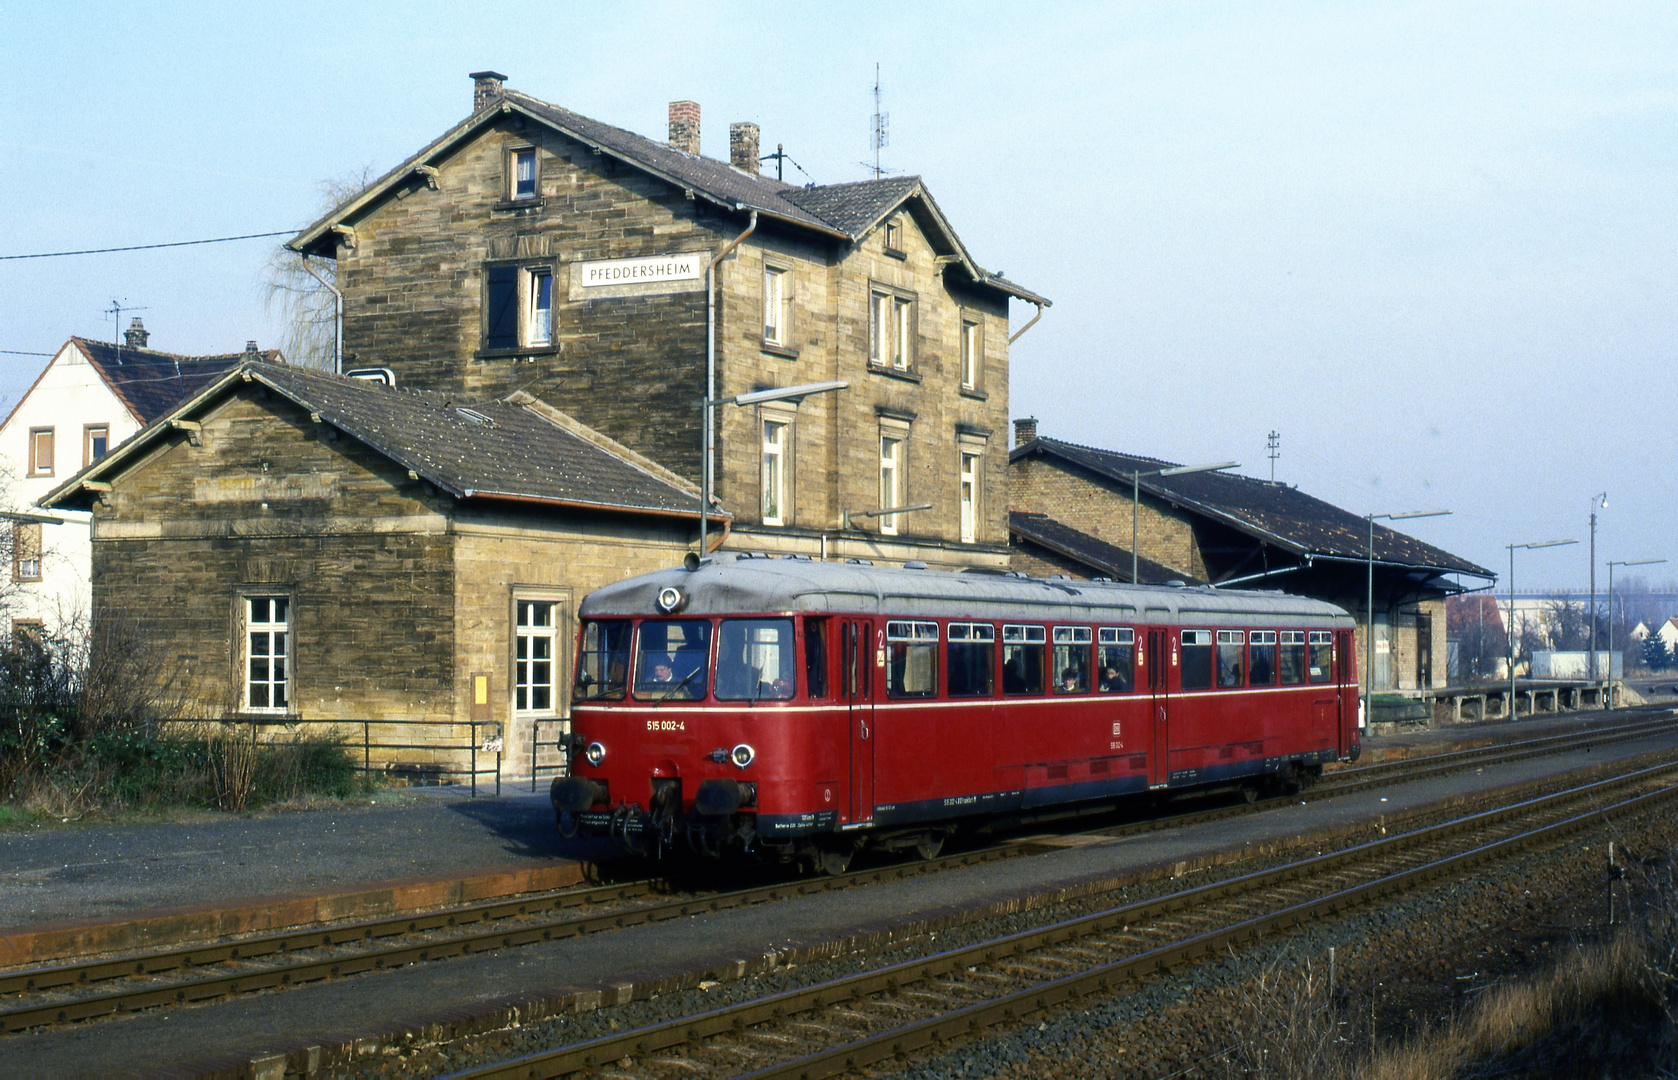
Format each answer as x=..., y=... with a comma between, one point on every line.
x=1102, y=508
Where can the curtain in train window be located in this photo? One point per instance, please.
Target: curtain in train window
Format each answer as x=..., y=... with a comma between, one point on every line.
x=1322, y=656
x=1231, y=659
x=755, y=660
x=1115, y=659
x=1293, y=657
x=1072, y=659
x=1022, y=659
x=972, y=659
x=911, y=659
x=1197, y=660
x=1261, y=658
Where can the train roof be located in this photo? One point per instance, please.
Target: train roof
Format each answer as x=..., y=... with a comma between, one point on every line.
x=742, y=583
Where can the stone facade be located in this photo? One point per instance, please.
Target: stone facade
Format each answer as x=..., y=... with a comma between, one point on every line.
x=1101, y=507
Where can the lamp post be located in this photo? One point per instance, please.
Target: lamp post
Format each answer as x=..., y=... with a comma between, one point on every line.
x=1136, y=496
x=1512, y=547
x=1596, y=501
x=794, y=394
x=1611, y=564
x=1369, y=603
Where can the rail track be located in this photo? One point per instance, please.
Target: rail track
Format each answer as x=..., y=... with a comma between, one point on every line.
x=849, y=1023
x=89, y=988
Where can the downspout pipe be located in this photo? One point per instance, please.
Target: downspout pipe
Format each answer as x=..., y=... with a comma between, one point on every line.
x=708, y=423
x=1016, y=334
x=337, y=316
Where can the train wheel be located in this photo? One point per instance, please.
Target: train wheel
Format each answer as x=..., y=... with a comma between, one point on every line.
x=835, y=861
x=931, y=844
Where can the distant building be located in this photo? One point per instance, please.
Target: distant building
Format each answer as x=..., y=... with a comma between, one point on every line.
x=1072, y=513
x=90, y=397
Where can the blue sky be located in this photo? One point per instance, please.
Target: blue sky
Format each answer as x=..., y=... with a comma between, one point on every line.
x=1433, y=245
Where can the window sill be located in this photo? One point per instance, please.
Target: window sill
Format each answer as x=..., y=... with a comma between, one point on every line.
x=893, y=373
x=516, y=354
x=893, y=253
x=976, y=395
x=783, y=351
x=534, y=203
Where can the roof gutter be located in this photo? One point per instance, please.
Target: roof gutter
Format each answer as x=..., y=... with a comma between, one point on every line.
x=707, y=422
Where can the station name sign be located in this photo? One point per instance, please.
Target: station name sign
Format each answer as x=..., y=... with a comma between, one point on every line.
x=653, y=270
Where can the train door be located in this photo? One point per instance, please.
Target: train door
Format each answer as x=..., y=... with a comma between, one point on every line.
x=1158, y=655
x=857, y=667
x=1346, y=657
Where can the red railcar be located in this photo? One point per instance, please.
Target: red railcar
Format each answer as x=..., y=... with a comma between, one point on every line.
x=804, y=710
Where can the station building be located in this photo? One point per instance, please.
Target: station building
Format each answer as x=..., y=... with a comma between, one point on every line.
x=1073, y=513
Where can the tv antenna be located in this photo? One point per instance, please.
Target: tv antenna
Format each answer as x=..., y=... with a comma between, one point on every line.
x=880, y=136
x=781, y=156
x=115, y=312
x=1274, y=447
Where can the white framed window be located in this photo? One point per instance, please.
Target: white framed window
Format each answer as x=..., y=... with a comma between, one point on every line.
x=26, y=551
x=891, y=480
x=40, y=451
x=535, y=635
x=268, y=672
x=518, y=306
x=775, y=305
x=891, y=330
x=971, y=354
x=524, y=174
x=774, y=472
x=969, y=497
x=541, y=291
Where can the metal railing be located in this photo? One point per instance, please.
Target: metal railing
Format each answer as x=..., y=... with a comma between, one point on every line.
x=563, y=767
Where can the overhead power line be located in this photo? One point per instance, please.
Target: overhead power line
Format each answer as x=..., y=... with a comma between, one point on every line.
x=21, y=352
x=148, y=247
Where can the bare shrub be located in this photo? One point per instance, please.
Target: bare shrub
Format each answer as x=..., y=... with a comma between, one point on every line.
x=233, y=761
x=1287, y=1029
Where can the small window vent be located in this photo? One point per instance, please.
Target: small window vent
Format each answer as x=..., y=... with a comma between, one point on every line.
x=475, y=416
x=381, y=375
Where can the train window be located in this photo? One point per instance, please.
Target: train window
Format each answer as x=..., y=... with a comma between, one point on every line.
x=603, y=660
x=1292, y=666
x=1197, y=660
x=972, y=659
x=815, y=658
x=1322, y=656
x=1022, y=659
x=911, y=659
x=672, y=660
x=755, y=660
x=1231, y=659
x=1116, y=659
x=1072, y=659
x=1261, y=658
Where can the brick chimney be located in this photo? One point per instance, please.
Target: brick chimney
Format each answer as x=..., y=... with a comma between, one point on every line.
x=1025, y=430
x=486, y=87
x=742, y=147
x=684, y=126
x=251, y=352
x=136, y=336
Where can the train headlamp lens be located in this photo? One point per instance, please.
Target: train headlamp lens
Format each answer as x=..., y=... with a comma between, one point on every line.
x=742, y=755
x=669, y=599
x=595, y=753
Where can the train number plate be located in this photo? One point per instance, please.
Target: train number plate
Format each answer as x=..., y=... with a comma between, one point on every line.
x=667, y=725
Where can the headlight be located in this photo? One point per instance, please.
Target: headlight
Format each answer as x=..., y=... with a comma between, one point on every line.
x=742, y=755
x=595, y=753
x=669, y=599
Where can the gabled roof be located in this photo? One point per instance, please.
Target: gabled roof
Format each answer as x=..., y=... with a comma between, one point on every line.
x=515, y=450
x=1110, y=560
x=841, y=211
x=151, y=383
x=1274, y=513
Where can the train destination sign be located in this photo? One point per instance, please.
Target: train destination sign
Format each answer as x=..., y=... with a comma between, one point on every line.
x=656, y=269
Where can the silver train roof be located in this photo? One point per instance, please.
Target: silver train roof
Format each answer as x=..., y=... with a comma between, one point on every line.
x=734, y=583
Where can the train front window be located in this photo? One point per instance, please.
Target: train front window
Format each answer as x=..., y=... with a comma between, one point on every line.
x=1116, y=659
x=911, y=659
x=1261, y=658
x=1322, y=656
x=755, y=660
x=1197, y=660
x=1072, y=659
x=1231, y=661
x=1292, y=665
x=672, y=659
x=603, y=661
x=1022, y=659
x=972, y=653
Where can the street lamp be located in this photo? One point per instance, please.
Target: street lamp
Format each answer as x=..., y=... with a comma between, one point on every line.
x=793, y=394
x=1512, y=547
x=1611, y=564
x=1136, y=496
x=1602, y=501
x=1369, y=608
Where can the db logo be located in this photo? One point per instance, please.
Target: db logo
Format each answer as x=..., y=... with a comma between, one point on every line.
x=827, y=794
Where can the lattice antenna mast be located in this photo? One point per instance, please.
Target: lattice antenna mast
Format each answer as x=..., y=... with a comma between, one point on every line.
x=1274, y=449
x=115, y=312
x=882, y=125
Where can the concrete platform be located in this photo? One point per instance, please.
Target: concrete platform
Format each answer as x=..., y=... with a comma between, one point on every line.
x=580, y=973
